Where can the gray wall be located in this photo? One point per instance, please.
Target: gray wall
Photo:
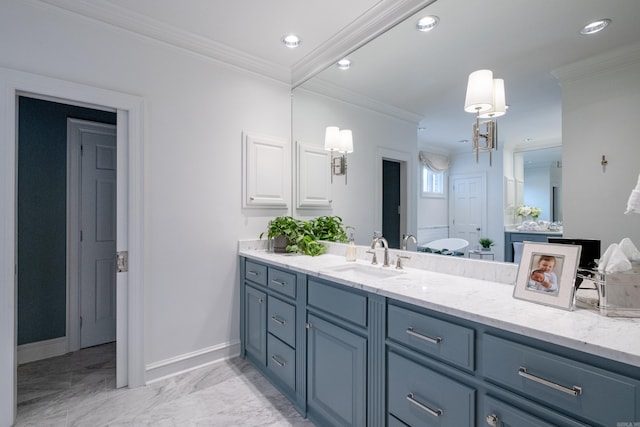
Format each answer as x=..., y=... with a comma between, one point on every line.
x=42, y=215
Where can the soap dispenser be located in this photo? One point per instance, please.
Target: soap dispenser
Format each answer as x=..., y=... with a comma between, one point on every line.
x=351, y=249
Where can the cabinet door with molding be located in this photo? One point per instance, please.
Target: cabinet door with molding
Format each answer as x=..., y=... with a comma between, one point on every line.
x=313, y=169
x=266, y=174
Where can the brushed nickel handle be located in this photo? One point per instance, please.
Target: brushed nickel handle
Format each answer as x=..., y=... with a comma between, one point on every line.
x=278, y=321
x=253, y=273
x=278, y=361
x=492, y=420
x=308, y=325
x=434, y=412
x=278, y=282
x=574, y=390
x=260, y=300
x=436, y=340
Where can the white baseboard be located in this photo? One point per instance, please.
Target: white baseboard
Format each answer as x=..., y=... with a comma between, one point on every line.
x=42, y=350
x=187, y=362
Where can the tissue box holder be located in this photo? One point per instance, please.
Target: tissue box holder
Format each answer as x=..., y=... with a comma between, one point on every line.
x=619, y=293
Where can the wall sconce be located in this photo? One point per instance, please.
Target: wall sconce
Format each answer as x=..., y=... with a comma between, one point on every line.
x=485, y=97
x=340, y=141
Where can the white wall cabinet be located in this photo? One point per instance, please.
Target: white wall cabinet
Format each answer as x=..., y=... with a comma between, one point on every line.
x=313, y=169
x=266, y=162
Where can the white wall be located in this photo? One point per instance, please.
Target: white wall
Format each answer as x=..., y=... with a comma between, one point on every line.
x=196, y=109
x=600, y=100
x=359, y=202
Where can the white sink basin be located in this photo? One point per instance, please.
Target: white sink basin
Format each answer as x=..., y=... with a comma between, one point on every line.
x=359, y=271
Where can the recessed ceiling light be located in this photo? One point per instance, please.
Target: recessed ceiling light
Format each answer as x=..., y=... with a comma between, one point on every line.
x=528, y=139
x=463, y=141
x=595, y=26
x=344, y=64
x=291, y=41
x=421, y=129
x=427, y=23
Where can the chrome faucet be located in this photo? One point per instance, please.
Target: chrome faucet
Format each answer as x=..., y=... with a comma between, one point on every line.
x=385, y=245
x=405, y=238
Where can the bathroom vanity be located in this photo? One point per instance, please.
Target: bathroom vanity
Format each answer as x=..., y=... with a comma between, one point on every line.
x=356, y=344
x=511, y=236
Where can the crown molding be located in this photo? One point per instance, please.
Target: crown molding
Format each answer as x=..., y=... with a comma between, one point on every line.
x=145, y=26
x=374, y=22
x=323, y=88
x=611, y=60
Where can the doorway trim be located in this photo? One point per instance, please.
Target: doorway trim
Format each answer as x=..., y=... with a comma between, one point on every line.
x=406, y=187
x=130, y=197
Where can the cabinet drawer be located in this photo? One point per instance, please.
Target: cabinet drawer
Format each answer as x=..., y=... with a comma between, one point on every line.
x=434, y=337
x=282, y=281
x=419, y=396
x=255, y=272
x=281, y=361
x=574, y=387
x=341, y=302
x=281, y=320
x=498, y=413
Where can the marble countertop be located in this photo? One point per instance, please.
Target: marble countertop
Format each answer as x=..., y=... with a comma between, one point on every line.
x=463, y=295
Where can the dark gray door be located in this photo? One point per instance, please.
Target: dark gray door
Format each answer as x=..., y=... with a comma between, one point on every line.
x=391, y=202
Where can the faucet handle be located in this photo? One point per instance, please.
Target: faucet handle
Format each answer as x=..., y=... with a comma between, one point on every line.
x=399, y=261
x=374, y=260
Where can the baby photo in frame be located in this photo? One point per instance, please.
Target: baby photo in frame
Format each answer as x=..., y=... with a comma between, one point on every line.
x=547, y=273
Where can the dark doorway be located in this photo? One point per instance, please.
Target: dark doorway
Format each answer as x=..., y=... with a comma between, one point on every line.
x=391, y=202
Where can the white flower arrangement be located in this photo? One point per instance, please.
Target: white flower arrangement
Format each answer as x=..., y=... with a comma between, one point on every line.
x=529, y=211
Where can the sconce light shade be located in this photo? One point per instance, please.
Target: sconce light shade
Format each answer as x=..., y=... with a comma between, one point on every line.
x=346, y=141
x=499, y=101
x=479, y=92
x=332, y=139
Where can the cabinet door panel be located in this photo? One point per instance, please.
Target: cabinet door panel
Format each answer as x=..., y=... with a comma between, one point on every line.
x=255, y=324
x=336, y=374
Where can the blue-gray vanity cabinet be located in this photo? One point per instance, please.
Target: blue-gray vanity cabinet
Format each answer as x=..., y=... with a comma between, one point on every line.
x=569, y=386
x=255, y=337
x=336, y=355
x=420, y=396
x=271, y=327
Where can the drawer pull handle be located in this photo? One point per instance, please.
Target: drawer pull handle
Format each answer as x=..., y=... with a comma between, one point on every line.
x=278, y=321
x=434, y=412
x=278, y=282
x=436, y=340
x=278, y=361
x=253, y=273
x=574, y=391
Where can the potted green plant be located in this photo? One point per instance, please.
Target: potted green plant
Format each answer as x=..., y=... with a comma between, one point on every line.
x=329, y=228
x=284, y=231
x=294, y=235
x=486, y=243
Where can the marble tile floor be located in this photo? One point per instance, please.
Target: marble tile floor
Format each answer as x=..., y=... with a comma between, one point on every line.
x=78, y=389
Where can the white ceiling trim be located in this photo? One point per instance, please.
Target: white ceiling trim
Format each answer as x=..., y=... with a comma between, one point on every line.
x=143, y=25
x=323, y=88
x=375, y=21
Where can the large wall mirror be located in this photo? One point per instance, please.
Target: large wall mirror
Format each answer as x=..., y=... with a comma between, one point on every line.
x=405, y=90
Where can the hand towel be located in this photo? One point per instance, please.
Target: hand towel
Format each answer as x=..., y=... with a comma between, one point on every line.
x=629, y=249
x=633, y=204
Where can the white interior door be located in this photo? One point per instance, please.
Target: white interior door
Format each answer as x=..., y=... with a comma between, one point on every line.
x=468, y=207
x=98, y=235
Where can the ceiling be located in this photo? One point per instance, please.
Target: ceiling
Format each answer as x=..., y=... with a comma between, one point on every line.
x=419, y=76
